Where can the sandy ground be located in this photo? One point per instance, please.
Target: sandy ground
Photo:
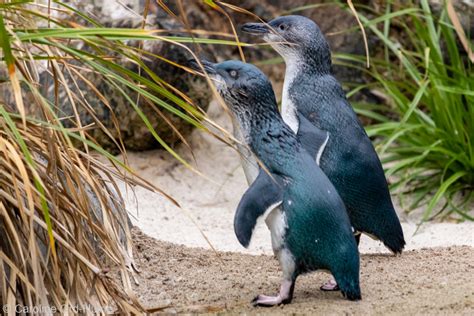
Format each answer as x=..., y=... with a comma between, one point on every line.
x=434, y=276
x=437, y=281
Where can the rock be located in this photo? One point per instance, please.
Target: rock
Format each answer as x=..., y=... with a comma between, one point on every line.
x=118, y=116
x=332, y=19
x=129, y=126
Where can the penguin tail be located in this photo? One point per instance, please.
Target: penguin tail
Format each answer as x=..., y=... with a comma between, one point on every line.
x=396, y=244
x=347, y=278
x=346, y=268
x=384, y=225
x=352, y=296
x=393, y=237
x=350, y=289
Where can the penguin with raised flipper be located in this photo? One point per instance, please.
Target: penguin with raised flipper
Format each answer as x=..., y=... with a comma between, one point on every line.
x=349, y=159
x=310, y=229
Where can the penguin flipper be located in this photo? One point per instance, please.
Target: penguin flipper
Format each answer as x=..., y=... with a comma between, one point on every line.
x=312, y=138
x=264, y=194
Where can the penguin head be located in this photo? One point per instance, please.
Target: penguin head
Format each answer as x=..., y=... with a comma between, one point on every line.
x=294, y=37
x=244, y=88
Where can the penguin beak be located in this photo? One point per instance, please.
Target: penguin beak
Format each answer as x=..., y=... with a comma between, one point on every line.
x=209, y=67
x=255, y=28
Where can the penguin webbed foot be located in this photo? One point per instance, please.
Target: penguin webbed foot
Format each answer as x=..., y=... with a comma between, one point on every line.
x=284, y=297
x=269, y=301
x=330, y=285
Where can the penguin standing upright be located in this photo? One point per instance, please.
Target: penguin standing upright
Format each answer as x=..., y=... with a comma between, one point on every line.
x=349, y=160
x=310, y=230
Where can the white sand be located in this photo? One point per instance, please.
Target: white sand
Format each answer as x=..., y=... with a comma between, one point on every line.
x=208, y=208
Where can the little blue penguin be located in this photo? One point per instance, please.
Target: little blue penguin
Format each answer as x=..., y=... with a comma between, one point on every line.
x=310, y=229
x=349, y=160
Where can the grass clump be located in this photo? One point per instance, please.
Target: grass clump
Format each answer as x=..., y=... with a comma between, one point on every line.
x=427, y=82
x=62, y=218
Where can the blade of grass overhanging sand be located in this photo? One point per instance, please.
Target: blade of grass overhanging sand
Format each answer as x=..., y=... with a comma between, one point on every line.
x=202, y=233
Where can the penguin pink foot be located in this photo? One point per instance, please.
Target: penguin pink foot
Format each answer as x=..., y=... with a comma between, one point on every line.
x=284, y=297
x=330, y=285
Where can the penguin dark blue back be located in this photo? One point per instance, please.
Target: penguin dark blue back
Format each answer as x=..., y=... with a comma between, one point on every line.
x=311, y=229
x=349, y=160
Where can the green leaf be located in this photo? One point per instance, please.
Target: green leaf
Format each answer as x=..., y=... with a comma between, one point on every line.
x=211, y=3
x=441, y=192
x=5, y=45
x=14, y=3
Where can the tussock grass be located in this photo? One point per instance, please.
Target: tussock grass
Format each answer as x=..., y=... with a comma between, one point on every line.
x=62, y=223
x=62, y=219
x=427, y=81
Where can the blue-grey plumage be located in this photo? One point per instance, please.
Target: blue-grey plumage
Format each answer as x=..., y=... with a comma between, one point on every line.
x=311, y=229
x=349, y=160
x=265, y=193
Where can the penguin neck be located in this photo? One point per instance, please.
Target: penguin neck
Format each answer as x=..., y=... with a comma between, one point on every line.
x=249, y=163
x=316, y=58
x=272, y=141
x=312, y=62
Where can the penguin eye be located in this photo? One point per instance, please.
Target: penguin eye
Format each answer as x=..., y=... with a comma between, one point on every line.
x=233, y=73
x=282, y=27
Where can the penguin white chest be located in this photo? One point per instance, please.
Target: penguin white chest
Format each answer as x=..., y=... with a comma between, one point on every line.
x=277, y=223
x=288, y=112
x=288, y=108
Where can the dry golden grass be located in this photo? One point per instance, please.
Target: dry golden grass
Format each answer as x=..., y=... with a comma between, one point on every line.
x=63, y=224
x=62, y=218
